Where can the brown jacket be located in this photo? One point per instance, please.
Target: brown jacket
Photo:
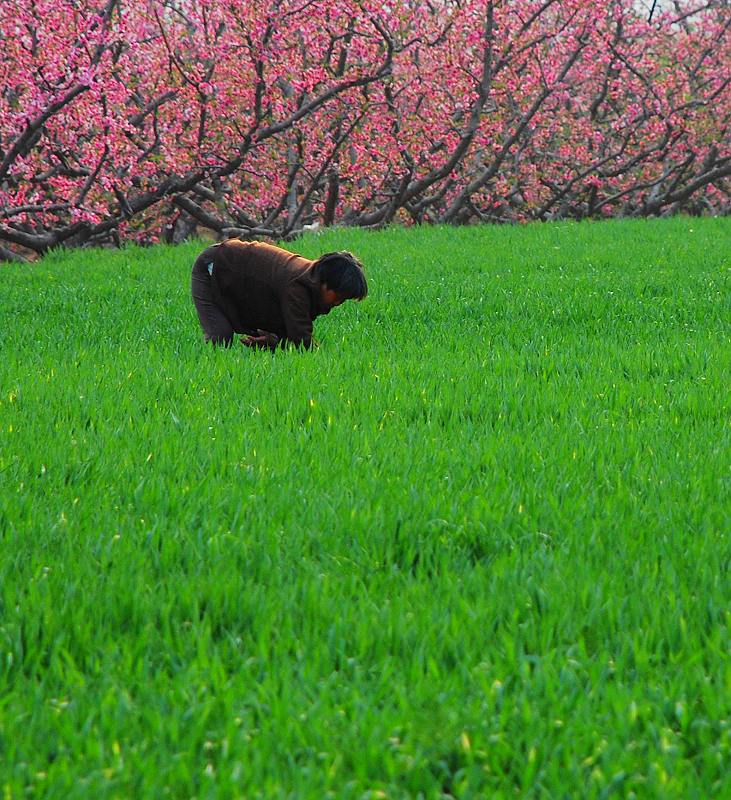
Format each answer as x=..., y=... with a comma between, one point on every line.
x=258, y=285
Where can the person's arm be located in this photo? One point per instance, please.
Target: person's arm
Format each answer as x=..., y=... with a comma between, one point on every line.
x=296, y=305
x=297, y=313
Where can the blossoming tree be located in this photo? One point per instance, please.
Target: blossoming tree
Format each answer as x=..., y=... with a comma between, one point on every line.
x=122, y=120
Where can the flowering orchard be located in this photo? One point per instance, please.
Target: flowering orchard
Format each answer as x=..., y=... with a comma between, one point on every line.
x=124, y=120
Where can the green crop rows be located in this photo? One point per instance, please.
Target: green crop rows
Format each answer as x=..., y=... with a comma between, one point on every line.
x=475, y=545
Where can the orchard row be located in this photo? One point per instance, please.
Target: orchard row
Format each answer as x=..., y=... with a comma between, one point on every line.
x=141, y=120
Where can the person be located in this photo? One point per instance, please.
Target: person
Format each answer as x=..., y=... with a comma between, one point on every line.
x=268, y=294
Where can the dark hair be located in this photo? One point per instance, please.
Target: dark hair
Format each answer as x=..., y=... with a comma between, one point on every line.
x=343, y=273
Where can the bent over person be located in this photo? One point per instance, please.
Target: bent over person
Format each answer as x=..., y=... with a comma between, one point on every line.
x=269, y=294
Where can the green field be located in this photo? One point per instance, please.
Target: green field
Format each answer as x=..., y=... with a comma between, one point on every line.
x=476, y=545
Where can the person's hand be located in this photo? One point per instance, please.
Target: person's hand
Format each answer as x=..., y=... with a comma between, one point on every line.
x=261, y=340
